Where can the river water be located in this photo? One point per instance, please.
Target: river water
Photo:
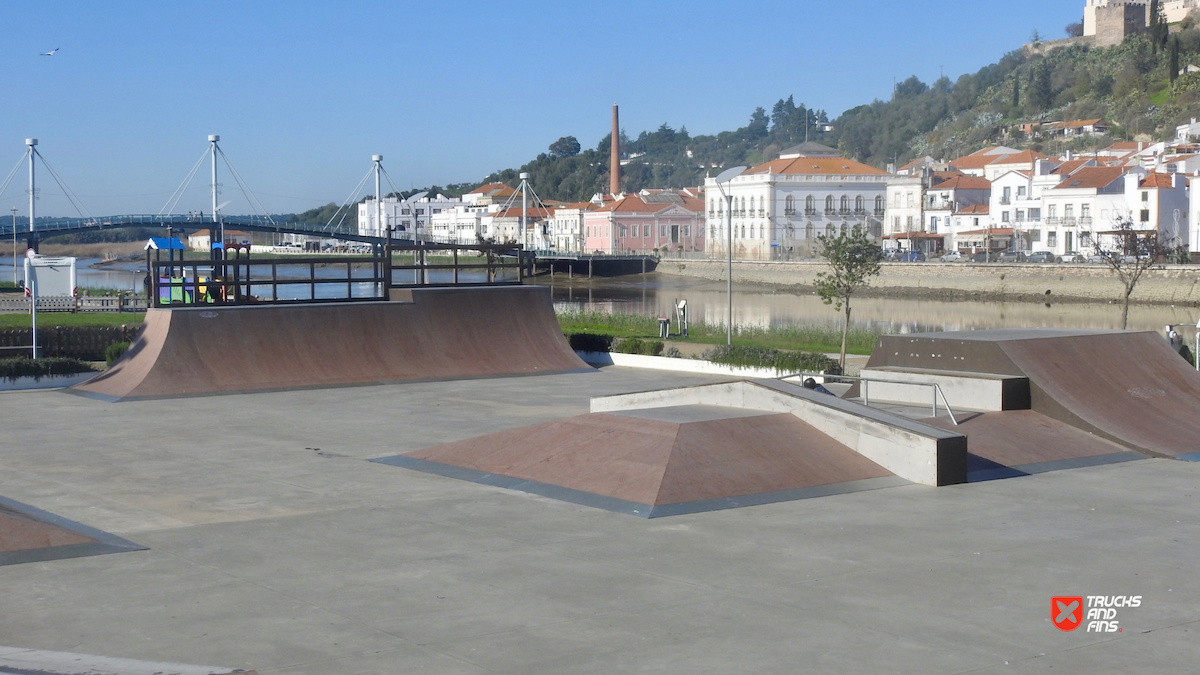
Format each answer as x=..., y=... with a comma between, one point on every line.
x=655, y=295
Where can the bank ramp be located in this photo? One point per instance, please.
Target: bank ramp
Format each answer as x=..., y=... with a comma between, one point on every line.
x=1127, y=387
x=425, y=334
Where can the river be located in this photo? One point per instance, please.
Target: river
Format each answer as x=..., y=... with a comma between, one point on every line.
x=655, y=294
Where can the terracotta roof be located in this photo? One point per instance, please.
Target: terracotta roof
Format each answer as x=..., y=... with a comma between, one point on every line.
x=1091, y=177
x=1159, y=180
x=993, y=231
x=493, y=189
x=632, y=203
x=1068, y=168
x=914, y=235
x=533, y=212
x=976, y=209
x=964, y=183
x=1024, y=157
x=979, y=158
x=1081, y=123
x=818, y=166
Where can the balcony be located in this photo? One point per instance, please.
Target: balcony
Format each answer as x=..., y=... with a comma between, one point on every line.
x=789, y=212
x=879, y=212
x=1069, y=221
x=1085, y=220
x=860, y=212
x=831, y=212
x=844, y=212
x=1053, y=220
x=810, y=212
x=1004, y=201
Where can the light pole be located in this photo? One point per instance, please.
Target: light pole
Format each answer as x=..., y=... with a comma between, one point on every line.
x=721, y=179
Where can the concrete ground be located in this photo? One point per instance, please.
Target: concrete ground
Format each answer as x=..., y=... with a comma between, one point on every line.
x=274, y=545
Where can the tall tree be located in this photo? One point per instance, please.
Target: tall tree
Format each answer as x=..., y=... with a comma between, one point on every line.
x=1129, y=252
x=1016, y=98
x=852, y=260
x=1159, y=30
x=1173, y=59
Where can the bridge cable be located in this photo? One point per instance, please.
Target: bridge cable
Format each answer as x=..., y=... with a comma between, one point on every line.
x=249, y=194
x=397, y=192
x=178, y=193
x=68, y=192
x=353, y=193
x=4, y=185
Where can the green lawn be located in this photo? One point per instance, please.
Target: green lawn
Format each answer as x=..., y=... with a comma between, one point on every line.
x=50, y=319
x=798, y=338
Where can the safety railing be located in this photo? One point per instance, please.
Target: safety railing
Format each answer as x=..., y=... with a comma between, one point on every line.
x=864, y=386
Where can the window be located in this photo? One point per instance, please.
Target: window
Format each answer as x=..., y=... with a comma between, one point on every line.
x=828, y=204
x=743, y=232
x=1052, y=239
x=1145, y=215
x=879, y=206
x=859, y=204
x=635, y=231
x=910, y=199
x=662, y=230
x=933, y=224
x=808, y=231
x=845, y=204
x=809, y=205
x=1004, y=216
x=789, y=206
x=1007, y=195
x=1052, y=211
x=712, y=232
x=1035, y=214
x=1145, y=196
x=687, y=230
x=910, y=223
x=1020, y=190
x=1068, y=210
x=895, y=223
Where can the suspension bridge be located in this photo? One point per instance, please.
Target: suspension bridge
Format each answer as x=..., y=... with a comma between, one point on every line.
x=34, y=229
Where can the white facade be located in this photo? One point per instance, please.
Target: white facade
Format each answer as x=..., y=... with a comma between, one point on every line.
x=566, y=228
x=408, y=220
x=1173, y=10
x=460, y=225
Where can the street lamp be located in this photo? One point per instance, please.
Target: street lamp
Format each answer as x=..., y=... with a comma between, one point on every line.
x=721, y=179
x=14, y=212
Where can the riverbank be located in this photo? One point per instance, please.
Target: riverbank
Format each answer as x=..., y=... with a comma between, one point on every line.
x=1019, y=282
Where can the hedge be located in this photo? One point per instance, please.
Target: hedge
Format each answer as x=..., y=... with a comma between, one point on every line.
x=781, y=361
x=38, y=368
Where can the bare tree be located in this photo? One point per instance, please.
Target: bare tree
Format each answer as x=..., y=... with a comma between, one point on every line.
x=1075, y=29
x=1129, y=252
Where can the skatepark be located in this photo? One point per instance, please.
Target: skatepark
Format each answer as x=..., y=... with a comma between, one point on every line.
x=426, y=515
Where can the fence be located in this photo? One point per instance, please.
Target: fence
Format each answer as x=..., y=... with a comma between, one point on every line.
x=80, y=342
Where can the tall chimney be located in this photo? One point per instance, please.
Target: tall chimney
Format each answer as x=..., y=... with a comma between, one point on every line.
x=614, y=164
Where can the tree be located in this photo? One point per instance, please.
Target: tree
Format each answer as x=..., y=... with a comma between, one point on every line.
x=852, y=260
x=1173, y=60
x=1016, y=97
x=1129, y=252
x=1159, y=30
x=567, y=146
x=1075, y=29
x=1035, y=37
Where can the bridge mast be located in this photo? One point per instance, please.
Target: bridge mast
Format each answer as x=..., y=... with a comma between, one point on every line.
x=212, y=139
x=32, y=143
x=379, y=211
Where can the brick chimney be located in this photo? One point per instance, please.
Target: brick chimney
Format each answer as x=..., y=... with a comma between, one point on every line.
x=614, y=164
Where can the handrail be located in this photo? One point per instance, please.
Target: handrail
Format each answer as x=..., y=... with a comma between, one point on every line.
x=937, y=389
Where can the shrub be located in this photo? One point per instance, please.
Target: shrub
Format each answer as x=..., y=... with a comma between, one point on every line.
x=38, y=368
x=115, y=351
x=781, y=361
x=639, y=346
x=590, y=342
x=673, y=353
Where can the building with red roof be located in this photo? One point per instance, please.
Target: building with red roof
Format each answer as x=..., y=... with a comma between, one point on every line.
x=645, y=222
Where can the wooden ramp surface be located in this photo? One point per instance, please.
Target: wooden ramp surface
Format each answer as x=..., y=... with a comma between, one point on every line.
x=442, y=333
x=28, y=534
x=657, y=463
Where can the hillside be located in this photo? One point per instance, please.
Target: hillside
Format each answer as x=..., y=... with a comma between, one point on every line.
x=1129, y=85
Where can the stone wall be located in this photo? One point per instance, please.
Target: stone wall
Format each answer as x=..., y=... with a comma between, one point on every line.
x=1115, y=22
x=1170, y=284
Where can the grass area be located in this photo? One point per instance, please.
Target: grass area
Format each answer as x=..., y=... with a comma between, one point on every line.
x=51, y=319
x=797, y=338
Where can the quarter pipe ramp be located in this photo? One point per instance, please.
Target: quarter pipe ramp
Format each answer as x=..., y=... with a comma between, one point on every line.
x=435, y=333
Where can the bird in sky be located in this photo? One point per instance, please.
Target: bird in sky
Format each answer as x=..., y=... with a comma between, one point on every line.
x=49, y=53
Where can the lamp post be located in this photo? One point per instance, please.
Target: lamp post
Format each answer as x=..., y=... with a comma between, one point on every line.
x=721, y=179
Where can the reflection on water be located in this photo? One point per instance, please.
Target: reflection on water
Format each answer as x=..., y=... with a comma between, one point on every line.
x=655, y=295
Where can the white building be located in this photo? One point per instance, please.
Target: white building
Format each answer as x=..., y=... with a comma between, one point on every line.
x=1173, y=10
x=408, y=220
x=780, y=207
x=566, y=227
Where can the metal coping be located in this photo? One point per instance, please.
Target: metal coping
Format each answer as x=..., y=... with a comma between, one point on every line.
x=633, y=508
x=105, y=542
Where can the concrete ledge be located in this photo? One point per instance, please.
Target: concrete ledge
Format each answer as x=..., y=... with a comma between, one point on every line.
x=914, y=451
x=41, y=662
x=974, y=391
x=665, y=363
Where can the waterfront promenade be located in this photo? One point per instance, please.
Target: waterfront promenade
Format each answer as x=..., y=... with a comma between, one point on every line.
x=274, y=545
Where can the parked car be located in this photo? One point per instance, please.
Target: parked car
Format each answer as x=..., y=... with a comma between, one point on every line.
x=911, y=256
x=1096, y=258
x=1072, y=257
x=983, y=256
x=1042, y=257
x=953, y=256
x=1012, y=256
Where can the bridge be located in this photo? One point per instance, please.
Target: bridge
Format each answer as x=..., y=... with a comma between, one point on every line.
x=279, y=224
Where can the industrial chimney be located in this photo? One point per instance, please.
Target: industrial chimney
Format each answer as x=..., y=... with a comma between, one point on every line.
x=614, y=168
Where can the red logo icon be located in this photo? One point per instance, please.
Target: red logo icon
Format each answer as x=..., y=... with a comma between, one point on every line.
x=1066, y=612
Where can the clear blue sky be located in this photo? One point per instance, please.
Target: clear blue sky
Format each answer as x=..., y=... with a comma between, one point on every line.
x=304, y=92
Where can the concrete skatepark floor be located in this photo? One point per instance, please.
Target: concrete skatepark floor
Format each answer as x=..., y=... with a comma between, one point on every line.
x=275, y=546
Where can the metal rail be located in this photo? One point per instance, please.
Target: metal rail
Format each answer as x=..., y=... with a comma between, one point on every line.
x=937, y=390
